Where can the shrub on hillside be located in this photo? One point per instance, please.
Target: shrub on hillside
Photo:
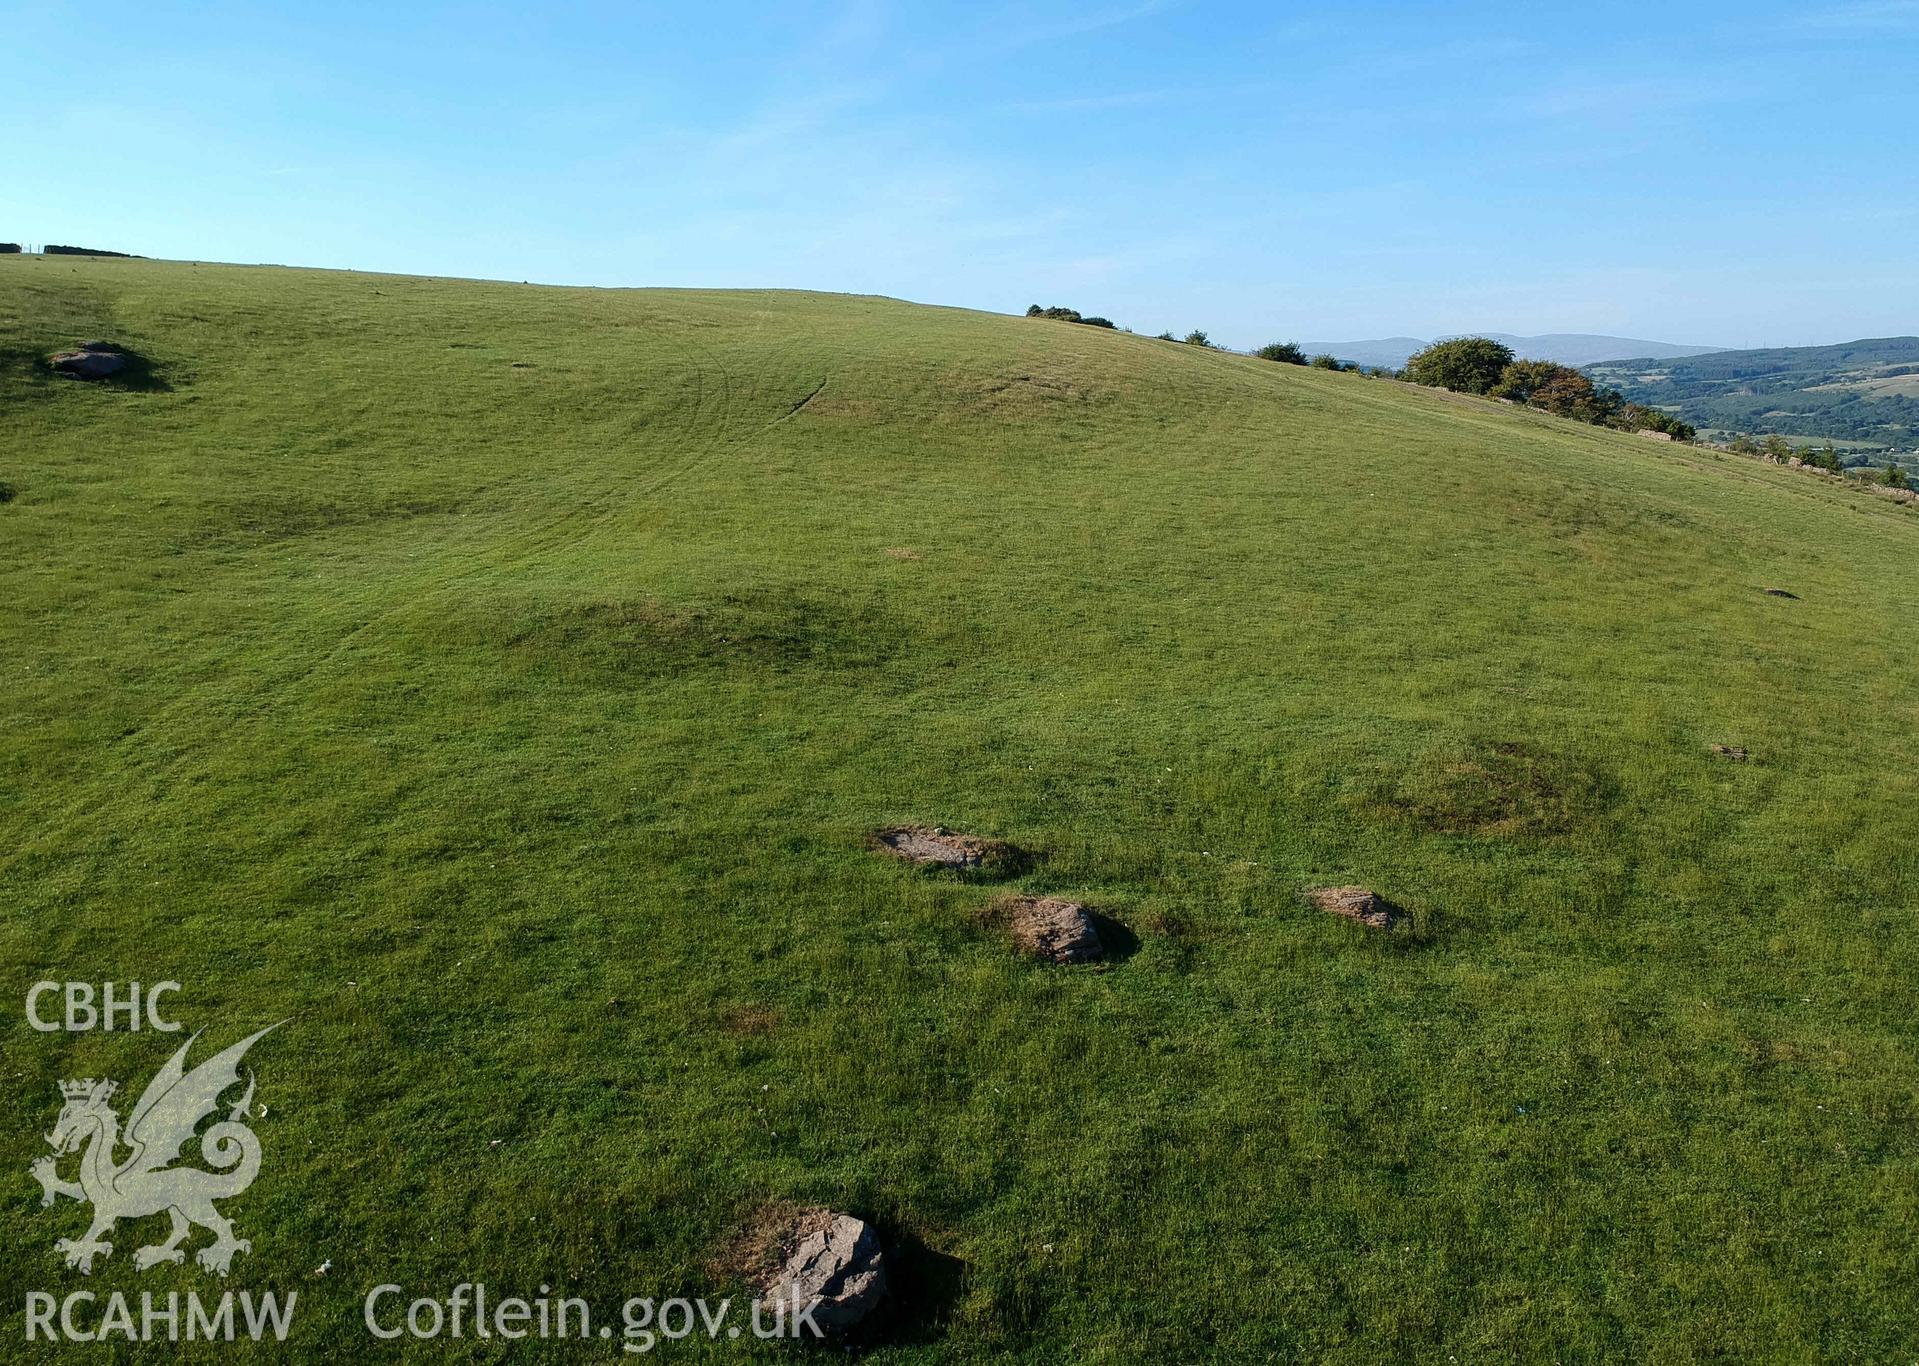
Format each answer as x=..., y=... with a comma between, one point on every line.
x=1467, y=365
x=1069, y=315
x=1566, y=392
x=1286, y=353
x=1325, y=361
x=1198, y=338
x=1637, y=417
x=9, y=248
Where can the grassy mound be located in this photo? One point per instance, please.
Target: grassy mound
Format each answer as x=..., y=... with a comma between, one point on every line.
x=502, y=683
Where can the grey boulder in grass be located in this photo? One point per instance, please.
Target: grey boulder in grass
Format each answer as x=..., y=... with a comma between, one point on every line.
x=91, y=360
x=834, y=1263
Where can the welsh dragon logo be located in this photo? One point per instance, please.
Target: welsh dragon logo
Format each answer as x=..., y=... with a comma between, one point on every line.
x=146, y=1182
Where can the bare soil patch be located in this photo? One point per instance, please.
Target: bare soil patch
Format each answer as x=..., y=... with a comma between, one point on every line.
x=1737, y=753
x=900, y=552
x=752, y=1021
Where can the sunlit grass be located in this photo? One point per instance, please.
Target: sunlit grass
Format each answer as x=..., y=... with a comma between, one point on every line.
x=501, y=683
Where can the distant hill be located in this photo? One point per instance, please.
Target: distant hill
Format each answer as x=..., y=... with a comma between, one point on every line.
x=1568, y=348
x=1585, y=348
x=1390, y=352
x=1856, y=391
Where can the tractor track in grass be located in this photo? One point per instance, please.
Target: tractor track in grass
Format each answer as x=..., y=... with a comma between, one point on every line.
x=799, y=407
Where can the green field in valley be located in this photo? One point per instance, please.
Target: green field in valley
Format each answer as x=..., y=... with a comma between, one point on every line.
x=500, y=684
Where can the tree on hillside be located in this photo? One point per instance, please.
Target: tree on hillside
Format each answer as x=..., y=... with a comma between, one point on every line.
x=1328, y=362
x=1637, y=417
x=1198, y=338
x=1559, y=389
x=1467, y=365
x=1895, y=477
x=1571, y=394
x=1286, y=353
x=1520, y=379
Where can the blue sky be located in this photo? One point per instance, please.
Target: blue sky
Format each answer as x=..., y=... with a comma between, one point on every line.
x=1732, y=174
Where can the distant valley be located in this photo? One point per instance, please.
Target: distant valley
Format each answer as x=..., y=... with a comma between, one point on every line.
x=1861, y=392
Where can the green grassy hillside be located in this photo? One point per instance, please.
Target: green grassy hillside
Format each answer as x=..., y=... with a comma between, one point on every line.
x=500, y=683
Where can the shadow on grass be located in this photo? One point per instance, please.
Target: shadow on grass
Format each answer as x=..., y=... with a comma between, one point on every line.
x=1421, y=930
x=924, y=1286
x=1117, y=942
x=139, y=375
x=1006, y=862
x=21, y=370
x=24, y=369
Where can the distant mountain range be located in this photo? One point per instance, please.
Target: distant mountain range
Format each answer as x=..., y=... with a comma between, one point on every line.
x=1568, y=348
x=1861, y=391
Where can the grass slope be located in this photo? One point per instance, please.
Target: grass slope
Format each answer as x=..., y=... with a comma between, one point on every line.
x=500, y=681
